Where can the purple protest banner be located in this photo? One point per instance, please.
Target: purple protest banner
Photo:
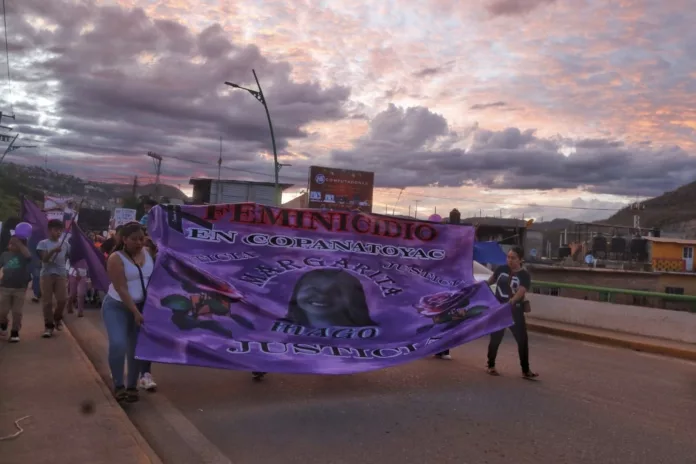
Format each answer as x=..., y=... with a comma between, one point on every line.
x=255, y=288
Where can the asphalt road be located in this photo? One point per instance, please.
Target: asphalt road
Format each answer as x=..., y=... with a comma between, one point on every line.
x=592, y=404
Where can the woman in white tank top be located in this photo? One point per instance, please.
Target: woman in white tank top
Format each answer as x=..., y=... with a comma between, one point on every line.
x=129, y=269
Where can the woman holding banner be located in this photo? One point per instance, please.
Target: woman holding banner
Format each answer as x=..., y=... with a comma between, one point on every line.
x=511, y=284
x=129, y=267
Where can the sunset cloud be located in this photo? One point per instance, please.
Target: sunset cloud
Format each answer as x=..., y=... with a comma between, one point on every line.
x=491, y=104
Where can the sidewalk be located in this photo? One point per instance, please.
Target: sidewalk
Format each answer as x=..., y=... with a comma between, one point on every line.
x=48, y=380
x=612, y=338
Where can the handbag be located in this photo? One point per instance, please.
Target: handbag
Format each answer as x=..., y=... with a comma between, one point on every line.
x=524, y=305
x=140, y=305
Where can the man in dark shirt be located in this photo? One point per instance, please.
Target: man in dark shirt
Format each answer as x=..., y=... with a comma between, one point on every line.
x=15, y=264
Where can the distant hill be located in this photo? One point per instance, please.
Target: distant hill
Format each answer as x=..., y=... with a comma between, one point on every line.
x=669, y=208
x=553, y=225
x=35, y=182
x=673, y=212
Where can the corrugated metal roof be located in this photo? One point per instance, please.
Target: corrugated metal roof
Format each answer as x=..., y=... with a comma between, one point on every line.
x=677, y=241
x=495, y=222
x=196, y=180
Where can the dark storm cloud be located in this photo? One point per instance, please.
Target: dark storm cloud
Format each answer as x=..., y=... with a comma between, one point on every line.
x=434, y=70
x=126, y=83
x=413, y=147
x=427, y=72
x=483, y=106
x=515, y=7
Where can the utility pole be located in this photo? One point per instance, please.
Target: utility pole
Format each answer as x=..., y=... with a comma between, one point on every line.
x=637, y=207
x=134, y=192
x=6, y=116
x=11, y=147
x=397, y=201
x=415, y=215
x=219, y=185
x=258, y=94
x=157, y=161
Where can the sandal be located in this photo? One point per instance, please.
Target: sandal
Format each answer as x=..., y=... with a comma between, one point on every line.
x=120, y=394
x=492, y=371
x=132, y=395
x=530, y=375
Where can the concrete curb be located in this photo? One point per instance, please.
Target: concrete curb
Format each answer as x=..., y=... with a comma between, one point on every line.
x=616, y=341
x=149, y=454
x=191, y=445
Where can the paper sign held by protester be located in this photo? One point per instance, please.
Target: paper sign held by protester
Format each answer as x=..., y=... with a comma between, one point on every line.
x=123, y=216
x=256, y=288
x=55, y=215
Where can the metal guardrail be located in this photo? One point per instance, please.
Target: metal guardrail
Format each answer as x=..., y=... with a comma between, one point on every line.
x=622, y=291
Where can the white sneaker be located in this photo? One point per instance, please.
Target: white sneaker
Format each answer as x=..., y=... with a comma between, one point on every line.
x=147, y=383
x=446, y=357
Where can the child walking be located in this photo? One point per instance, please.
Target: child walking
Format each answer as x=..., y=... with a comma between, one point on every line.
x=15, y=265
x=54, y=276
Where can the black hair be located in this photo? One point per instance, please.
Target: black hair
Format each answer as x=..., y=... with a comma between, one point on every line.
x=6, y=235
x=518, y=251
x=56, y=224
x=150, y=202
x=126, y=231
x=355, y=311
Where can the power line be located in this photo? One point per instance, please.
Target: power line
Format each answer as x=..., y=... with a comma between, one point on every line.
x=7, y=55
x=304, y=180
x=505, y=203
x=186, y=160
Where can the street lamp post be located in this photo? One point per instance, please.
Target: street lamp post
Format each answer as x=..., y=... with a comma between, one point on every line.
x=258, y=94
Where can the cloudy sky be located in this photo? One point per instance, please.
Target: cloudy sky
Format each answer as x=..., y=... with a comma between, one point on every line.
x=542, y=108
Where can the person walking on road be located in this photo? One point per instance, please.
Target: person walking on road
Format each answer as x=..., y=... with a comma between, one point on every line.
x=77, y=287
x=147, y=206
x=512, y=282
x=146, y=382
x=15, y=265
x=129, y=269
x=54, y=276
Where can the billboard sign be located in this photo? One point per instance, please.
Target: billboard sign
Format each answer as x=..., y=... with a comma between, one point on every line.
x=340, y=189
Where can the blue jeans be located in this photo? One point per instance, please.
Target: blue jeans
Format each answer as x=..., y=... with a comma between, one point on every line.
x=123, y=335
x=36, y=281
x=145, y=367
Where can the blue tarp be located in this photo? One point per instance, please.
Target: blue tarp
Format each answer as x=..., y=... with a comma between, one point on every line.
x=489, y=253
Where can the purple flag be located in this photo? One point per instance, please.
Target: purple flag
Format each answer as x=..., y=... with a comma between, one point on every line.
x=37, y=218
x=256, y=288
x=82, y=248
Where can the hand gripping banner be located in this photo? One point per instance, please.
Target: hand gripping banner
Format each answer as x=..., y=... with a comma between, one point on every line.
x=256, y=288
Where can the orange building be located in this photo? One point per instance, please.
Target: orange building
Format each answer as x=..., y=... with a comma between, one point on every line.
x=671, y=254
